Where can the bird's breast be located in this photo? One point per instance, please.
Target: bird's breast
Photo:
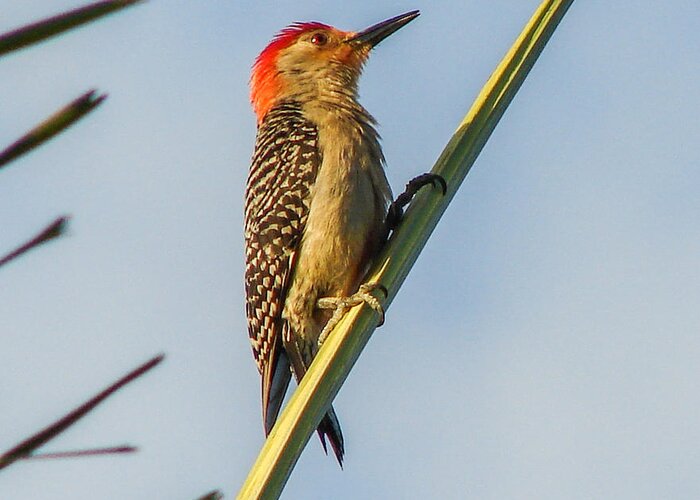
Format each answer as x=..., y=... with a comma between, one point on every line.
x=347, y=211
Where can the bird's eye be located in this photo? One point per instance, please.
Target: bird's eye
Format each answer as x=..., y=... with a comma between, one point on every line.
x=319, y=39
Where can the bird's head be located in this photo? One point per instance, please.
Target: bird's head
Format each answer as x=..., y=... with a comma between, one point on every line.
x=307, y=58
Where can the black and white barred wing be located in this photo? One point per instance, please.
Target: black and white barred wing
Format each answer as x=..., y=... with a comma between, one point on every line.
x=276, y=207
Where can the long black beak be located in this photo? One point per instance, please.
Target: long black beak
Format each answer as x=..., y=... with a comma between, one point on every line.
x=375, y=34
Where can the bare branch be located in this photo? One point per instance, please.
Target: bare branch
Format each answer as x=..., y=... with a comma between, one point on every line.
x=53, y=230
x=212, y=495
x=53, y=125
x=27, y=447
x=41, y=30
x=113, y=450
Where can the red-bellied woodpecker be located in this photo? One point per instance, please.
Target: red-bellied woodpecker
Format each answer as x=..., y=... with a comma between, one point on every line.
x=317, y=200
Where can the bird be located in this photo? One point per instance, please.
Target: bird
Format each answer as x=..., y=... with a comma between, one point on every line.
x=318, y=206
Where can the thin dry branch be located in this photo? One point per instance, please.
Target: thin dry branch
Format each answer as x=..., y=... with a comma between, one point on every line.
x=50, y=232
x=52, y=26
x=53, y=125
x=27, y=447
x=112, y=450
x=212, y=495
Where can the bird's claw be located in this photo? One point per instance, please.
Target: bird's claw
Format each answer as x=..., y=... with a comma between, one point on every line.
x=341, y=305
x=414, y=185
x=437, y=179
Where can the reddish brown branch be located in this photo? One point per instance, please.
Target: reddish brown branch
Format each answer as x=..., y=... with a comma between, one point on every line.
x=41, y=30
x=53, y=230
x=212, y=495
x=53, y=125
x=113, y=450
x=27, y=447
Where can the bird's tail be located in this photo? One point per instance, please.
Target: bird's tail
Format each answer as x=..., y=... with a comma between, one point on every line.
x=330, y=427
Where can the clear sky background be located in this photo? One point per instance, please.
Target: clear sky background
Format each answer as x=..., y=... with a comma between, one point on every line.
x=545, y=346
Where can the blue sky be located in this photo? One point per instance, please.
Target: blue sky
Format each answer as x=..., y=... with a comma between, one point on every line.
x=545, y=346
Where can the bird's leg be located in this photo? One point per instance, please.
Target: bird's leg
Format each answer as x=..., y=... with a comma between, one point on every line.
x=341, y=305
x=395, y=213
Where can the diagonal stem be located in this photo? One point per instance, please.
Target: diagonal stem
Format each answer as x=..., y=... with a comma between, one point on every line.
x=50, y=232
x=52, y=26
x=30, y=444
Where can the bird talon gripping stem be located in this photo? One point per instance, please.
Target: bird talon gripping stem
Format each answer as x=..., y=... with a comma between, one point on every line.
x=315, y=202
x=414, y=185
x=341, y=305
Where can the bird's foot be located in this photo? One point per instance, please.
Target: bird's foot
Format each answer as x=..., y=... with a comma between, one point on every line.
x=341, y=305
x=414, y=185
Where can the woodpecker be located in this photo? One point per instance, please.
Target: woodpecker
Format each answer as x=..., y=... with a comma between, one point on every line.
x=316, y=203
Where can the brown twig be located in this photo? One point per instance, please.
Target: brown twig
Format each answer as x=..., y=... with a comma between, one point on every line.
x=41, y=30
x=112, y=450
x=27, y=447
x=53, y=230
x=53, y=125
x=212, y=495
